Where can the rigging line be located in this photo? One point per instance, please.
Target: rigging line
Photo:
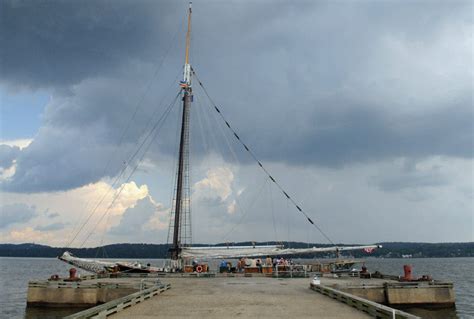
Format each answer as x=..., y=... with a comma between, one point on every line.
x=77, y=227
x=147, y=89
x=202, y=133
x=175, y=182
x=251, y=203
x=259, y=163
x=96, y=207
x=122, y=172
x=229, y=146
x=114, y=183
x=288, y=222
x=150, y=82
x=201, y=129
x=152, y=118
x=308, y=236
x=226, y=138
x=261, y=166
x=189, y=182
x=207, y=119
x=155, y=130
x=238, y=200
x=101, y=244
x=138, y=105
x=273, y=213
x=213, y=140
x=126, y=164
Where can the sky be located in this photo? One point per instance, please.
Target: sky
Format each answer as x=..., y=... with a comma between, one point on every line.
x=361, y=110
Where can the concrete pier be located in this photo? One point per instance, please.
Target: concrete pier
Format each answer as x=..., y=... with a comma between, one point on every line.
x=247, y=297
x=431, y=294
x=212, y=295
x=85, y=293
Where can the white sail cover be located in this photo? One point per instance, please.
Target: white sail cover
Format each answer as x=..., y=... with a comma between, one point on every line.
x=258, y=251
x=95, y=266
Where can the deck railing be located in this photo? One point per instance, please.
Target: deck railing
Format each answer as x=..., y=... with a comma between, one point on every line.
x=372, y=308
x=114, y=306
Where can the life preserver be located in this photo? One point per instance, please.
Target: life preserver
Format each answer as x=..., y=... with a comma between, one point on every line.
x=199, y=268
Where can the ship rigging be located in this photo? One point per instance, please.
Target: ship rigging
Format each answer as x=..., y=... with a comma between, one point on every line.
x=180, y=233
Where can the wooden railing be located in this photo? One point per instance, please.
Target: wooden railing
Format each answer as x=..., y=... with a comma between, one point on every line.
x=114, y=306
x=90, y=285
x=372, y=308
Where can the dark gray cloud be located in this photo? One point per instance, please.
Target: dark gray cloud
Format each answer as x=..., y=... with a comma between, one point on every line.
x=59, y=43
x=51, y=227
x=340, y=135
x=409, y=177
x=16, y=214
x=327, y=84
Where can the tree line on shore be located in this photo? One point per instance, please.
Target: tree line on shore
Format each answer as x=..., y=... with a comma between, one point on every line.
x=388, y=250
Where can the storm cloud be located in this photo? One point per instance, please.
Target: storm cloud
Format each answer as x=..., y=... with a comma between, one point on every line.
x=307, y=85
x=60, y=43
x=335, y=94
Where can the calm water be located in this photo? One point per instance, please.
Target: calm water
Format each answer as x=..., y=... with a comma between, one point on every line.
x=16, y=272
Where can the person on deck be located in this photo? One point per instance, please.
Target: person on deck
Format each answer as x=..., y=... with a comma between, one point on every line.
x=243, y=263
x=268, y=261
x=223, y=266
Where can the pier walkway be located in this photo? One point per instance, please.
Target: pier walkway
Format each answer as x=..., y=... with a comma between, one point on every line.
x=228, y=297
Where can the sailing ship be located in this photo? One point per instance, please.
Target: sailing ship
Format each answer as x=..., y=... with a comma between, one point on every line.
x=181, y=253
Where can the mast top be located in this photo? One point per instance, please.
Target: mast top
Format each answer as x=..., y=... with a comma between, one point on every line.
x=187, y=67
x=188, y=34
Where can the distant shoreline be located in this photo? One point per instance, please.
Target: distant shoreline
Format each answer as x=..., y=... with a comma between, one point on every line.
x=157, y=251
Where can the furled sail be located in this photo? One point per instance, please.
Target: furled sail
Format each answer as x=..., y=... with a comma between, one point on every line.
x=99, y=267
x=95, y=266
x=258, y=251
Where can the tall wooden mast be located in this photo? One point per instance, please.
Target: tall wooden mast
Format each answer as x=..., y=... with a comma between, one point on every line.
x=183, y=159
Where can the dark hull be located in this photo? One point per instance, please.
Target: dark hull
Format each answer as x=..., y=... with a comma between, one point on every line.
x=131, y=269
